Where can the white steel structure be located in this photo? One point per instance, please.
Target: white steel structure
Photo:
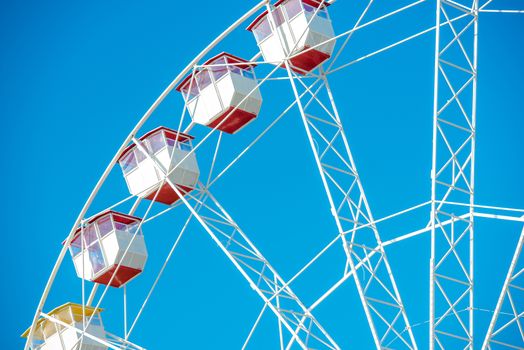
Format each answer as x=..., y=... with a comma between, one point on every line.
x=298, y=45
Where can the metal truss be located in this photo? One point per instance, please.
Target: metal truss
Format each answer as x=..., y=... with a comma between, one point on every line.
x=292, y=314
x=452, y=176
x=262, y=277
x=378, y=292
x=508, y=331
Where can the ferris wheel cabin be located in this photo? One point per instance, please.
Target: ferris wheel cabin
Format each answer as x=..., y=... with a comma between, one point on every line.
x=167, y=148
x=99, y=248
x=49, y=335
x=223, y=93
x=302, y=27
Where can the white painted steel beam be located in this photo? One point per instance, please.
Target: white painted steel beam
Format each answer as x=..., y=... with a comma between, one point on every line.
x=452, y=175
x=514, y=324
x=350, y=209
x=252, y=265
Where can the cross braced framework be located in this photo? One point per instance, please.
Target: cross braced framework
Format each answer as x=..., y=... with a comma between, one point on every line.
x=506, y=328
x=253, y=266
x=378, y=291
x=454, y=122
x=262, y=277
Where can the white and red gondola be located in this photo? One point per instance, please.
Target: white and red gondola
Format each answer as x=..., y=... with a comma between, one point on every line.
x=298, y=28
x=168, y=152
x=222, y=93
x=109, y=249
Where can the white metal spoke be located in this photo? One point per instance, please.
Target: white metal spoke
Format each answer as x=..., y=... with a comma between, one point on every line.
x=395, y=44
x=253, y=270
x=159, y=275
x=113, y=342
x=495, y=328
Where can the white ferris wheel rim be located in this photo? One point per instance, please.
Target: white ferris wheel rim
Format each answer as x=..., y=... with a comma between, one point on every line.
x=173, y=84
x=128, y=139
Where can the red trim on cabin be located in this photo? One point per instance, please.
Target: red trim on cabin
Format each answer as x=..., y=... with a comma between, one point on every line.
x=122, y=215
x=314, y=3
x=211, y=61
x=184, y=81
x=237, y=120
x=256, y=20
x=170, y=133
x=307, y=61
x=122, y=276
x=117, y=216
x=167, y=194
x=235, y=58
x=126, y=151
x=173, y=133
x=123, y=219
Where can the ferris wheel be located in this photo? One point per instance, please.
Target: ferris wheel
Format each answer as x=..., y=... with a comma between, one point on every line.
x=166, y=172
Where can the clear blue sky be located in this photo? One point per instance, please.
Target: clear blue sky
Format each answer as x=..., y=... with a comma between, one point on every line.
x=75, y=77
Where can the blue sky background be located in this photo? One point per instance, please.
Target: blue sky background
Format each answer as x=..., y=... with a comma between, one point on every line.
x=77, y=76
